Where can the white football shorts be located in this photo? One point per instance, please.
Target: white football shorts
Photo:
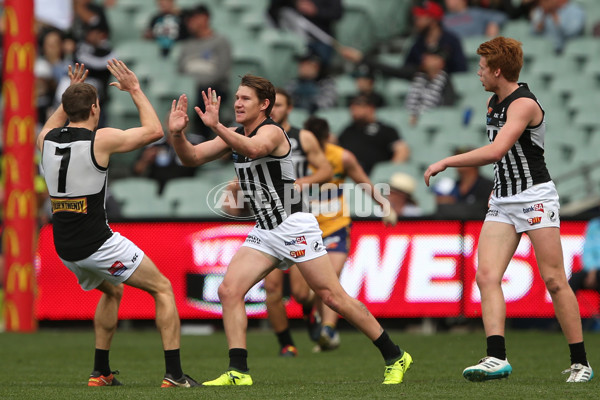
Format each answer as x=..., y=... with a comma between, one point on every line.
x=114, y=262
x=295, y=240
x=534, y=208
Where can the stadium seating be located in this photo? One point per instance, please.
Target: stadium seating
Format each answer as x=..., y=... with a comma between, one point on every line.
x=356, y=28
x=566, y=85
x=134, y=189
x=338, y=118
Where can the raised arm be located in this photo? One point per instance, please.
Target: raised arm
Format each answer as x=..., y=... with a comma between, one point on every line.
x=268, y=140
x=316, y=158
x=189, y=154
x=113, y=140
x=59, y=117
x=522, y=113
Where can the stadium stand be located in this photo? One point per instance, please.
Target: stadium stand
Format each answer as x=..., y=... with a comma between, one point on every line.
x=566, y=84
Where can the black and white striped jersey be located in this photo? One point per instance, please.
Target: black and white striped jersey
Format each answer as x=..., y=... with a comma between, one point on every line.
x=77, y=188
x=523, y=166
x=268, y=184
x=298, y=154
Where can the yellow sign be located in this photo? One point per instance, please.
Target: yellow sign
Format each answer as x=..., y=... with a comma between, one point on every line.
x=11, y=23
x=21, y=276
x=9, y=88
x=70, y=205
x=21, y=55
x=11, y=242
x=10, y=167
x=21, y=129
x=11, y=315
x=21, y=202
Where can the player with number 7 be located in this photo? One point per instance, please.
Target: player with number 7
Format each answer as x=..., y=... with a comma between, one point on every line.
x=75, y=160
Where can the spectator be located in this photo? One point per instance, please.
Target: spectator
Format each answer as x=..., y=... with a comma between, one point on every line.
x=45, y=86
x=464, y=198
x=465, y=21
x=167, y=26
x=431, y=87
x=370, y=140
x=312, y=90
x=95, y=52
x=402, y=188
x=559, y=21
x=52, y=53
x=205, y=56
x=321, y=16
x=513, y=9
x=429, y=34
x=88, y=13
x=589, y=276
x=365, y=85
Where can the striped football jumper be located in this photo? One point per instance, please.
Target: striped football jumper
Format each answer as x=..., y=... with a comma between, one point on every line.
x=268, y=184
x=523, y=165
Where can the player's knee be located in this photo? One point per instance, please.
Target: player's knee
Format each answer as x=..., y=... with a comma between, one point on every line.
x=486, y=278
x=117, y=292
x=163, y=286
x=330, y=299
x=228, y=293
x=273, y=297
x=302, y=296
x=273, y=289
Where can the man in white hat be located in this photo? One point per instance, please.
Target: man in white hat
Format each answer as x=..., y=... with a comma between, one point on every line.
x=402, y=188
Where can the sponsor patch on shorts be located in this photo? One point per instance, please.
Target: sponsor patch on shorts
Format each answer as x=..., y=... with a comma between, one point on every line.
x=117, y=268
x=298, y=253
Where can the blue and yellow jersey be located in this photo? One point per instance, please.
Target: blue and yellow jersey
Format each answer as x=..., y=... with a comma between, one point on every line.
x=334, y=212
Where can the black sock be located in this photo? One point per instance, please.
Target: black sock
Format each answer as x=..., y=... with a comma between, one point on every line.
x=238, y=360
x=578, y=353
x=390, y=351
x=285, y=338
x=101, y=362
x=496, y=347
x=173, y=363
x=306, y=310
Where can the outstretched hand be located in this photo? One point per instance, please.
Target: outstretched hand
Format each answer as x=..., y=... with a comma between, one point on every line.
x=212, y=103
x=78, y=74
x=127, y=81
x=433, y=170
x=178, y=118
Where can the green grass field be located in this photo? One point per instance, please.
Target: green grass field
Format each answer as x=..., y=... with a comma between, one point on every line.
x=55, y=363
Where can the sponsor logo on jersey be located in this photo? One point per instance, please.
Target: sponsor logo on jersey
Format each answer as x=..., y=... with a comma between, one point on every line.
x=536, y=207
x=298, y=240
x=298, y=253
x=70, y=205
x=552, y=215
x=253, y=239
x=534, y=220
x=117, y=268
x=135, y=257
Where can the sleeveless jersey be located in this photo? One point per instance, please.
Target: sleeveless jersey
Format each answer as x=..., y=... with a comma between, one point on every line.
x=333, y=211
x=268, y=184
x=298, y=154
x=77, y=188
x=523, y=166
